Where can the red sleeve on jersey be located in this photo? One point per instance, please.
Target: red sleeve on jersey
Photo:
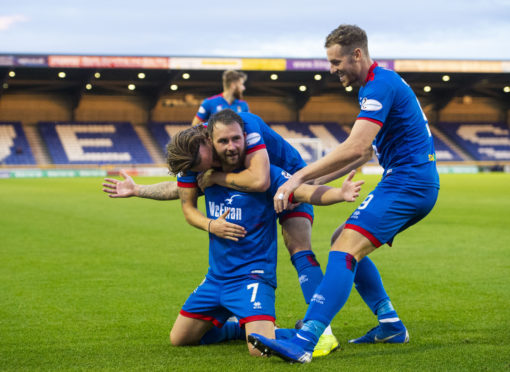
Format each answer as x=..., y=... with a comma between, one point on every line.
x=256, y=148
x=186, y=184
x=372, y=120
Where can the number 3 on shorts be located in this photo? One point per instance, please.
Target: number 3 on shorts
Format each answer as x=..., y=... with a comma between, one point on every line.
x=255, y=287
x=366, y=201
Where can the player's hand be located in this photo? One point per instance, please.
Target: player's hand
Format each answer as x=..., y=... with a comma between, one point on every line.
x=220, y=227
x=120, y=188
x=281, y=198
x=205, y=179
x=350, y=190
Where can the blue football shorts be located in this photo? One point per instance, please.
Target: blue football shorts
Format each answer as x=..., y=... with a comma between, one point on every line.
x=302, y=210
x=214, y=300
x=391, y=208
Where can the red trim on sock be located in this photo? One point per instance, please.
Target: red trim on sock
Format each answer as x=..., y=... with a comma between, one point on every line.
x=312, y=260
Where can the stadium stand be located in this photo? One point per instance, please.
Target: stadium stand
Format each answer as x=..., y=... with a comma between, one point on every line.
x=93, y=143
x=329, y=134
x=163, y=131
x=445, y=149
x=14, y=147
x=482, y=141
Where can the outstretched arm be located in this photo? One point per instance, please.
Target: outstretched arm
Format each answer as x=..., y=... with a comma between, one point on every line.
x=357, y=148
x=326, y=195
x=255, y=178
x=219, y=227
x=128, y=187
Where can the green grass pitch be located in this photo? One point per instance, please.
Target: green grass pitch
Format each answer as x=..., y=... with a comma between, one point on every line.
x=92, y=283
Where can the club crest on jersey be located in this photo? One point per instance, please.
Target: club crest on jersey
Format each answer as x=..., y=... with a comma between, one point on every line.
x=231, y=199
x=201, y=110
x=252, y=138
x=286, y=175
x=370, y=105
x=219, y=108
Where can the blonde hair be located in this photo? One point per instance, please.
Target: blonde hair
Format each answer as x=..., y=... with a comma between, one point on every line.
x=183, y=150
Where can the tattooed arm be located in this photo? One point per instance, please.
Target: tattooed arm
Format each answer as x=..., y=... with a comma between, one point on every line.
x=127, y=188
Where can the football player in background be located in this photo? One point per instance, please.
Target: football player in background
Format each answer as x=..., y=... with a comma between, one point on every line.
x=230, y=98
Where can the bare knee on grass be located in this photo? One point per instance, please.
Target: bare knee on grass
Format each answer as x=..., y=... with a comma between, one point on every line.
x=262, y=327
x=188, y=331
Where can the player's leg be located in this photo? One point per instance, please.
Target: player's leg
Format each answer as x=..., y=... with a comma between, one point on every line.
x=297, y=235
x=329, y=298
x=369, y=285
x=202, y=319
x=188, y=331
x=262, y=327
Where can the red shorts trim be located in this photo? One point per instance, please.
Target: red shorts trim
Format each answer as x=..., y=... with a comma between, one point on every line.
x=255, y=318
x=372, y=120
x=187, y=184
x=296, y=214
x=203, y=317
x=365, y=233
x=256, y=148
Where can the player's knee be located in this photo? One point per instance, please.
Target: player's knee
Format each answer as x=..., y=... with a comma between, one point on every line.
x=337, y=233
x=176, y=339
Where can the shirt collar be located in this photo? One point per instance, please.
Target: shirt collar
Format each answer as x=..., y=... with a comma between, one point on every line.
x=370, y=75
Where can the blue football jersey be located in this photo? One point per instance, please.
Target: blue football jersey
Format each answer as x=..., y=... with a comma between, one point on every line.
x=404, y=145
x=256, y=253
x=217, y=103
x=260, y=136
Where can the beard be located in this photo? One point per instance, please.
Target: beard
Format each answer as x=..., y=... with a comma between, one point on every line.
x=232, y=159
x=238, y=94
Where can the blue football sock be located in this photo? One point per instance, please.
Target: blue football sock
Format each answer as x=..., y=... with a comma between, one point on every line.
x=369, y=285
x=229, y=331
x=309, y=272
x=334, y=289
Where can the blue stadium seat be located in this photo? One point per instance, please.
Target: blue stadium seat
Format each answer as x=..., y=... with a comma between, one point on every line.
x=163, y=131
x=329, y=133
x=445, y=152
x=14, y=147
x=483, y=141
x=93, y=143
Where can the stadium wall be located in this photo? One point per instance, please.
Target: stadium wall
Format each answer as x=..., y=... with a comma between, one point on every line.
x=468, y=109
x=32, y=108
x=112, y=108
